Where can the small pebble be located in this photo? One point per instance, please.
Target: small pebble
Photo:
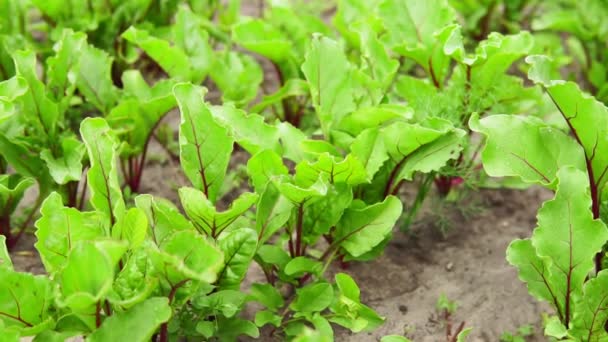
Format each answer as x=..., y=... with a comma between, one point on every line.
x=449, y=266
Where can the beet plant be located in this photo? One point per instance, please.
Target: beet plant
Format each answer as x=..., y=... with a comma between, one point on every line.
x=562, y=261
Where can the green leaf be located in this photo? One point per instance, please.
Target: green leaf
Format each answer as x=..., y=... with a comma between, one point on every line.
x=591, y=310
x=132, y=227
x=586, y=117
x=135, y=282
x=25, y=161
x=63, y=67
x=60, y=229
x=267, y=295
x=106, y=195
x=239, y=247
x=361, y=229
x=324, y=213
x=227, y=302
x=68, y=167
x=171, y=59
x=261, y=37
x=25, y=301
x=262, y=167
x=12, y=190
x=230, y=329
x=190, y=35
x=248, y=130
x=299, y=194
x=329, y=75
x=292, y=88
x=563, y=224
x=411, y=27
x=347, y=286
x=205, y=216
x=238, y=76
x=301, y=265
x=94, y=79
x=313, y=298
x=273, y=210
x=264, y=317
x=205, y=146
x=5, y=259
x=536, y=157
x=137, y=324
x=462, y=336
x=369, y=148
x=347, y=170
x=88, y=274
x=163, y=217
x=38, y=108
x=187, y=255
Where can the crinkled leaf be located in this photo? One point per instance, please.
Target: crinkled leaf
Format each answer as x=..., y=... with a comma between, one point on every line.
x=60, y=229
x=164, y=218
x=188, y=255
x=323, y=214
x=239, y=247
x=205, y=146
x=347, y=170
x=299, y=194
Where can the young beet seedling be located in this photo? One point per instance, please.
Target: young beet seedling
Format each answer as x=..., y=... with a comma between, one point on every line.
x=447, y=309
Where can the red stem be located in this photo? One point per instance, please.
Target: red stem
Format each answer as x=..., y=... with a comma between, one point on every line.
x=299, y=228
x=164, y=333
